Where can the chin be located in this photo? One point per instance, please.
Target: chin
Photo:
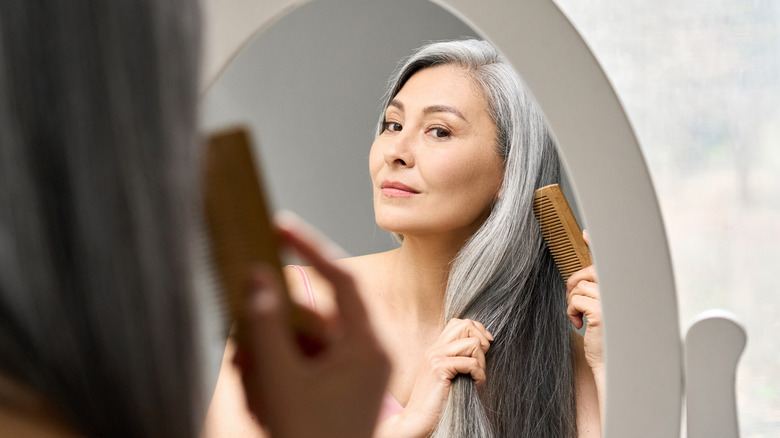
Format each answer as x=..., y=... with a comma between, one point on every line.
x=399, y=225
x=411, y=227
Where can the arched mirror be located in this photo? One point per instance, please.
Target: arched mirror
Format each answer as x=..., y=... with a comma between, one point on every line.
x=310, y=84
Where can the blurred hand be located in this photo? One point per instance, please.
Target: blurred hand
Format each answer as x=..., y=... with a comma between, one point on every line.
x=460, y=349
x=334, y=392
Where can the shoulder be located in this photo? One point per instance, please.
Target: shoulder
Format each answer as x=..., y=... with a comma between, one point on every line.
x=363, y=269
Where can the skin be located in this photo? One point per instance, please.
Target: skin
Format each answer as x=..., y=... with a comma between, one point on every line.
x=439, y=141
x=583, y=298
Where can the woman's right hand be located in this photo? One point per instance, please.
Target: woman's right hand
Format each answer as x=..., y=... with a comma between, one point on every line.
x=460, y=349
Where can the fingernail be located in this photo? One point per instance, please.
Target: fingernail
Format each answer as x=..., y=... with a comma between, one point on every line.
x=264, y=299
x=489, y=335
x=261, y=296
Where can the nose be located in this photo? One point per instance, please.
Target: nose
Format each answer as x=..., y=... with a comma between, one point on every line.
x=400, y=150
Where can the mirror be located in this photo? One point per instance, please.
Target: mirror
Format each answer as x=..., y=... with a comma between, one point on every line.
x=313, y=102
x=596, y=141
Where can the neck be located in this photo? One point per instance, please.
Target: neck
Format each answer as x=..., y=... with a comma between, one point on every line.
x=418, y=271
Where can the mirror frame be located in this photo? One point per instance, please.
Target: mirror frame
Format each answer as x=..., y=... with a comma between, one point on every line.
x=609, y=177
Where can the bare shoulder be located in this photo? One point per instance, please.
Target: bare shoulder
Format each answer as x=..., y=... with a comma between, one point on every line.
x=588, y=414
x=362, y=268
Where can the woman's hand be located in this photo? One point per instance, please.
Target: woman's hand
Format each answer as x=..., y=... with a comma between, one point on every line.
x=460, y=349
x=583, y=297
x=582, y=294
x=335, y=392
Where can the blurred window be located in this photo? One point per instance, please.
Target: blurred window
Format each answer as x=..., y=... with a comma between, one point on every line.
x=700, y=81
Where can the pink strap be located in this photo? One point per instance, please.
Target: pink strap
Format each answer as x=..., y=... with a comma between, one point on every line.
x=306, y=286
x=390, y=407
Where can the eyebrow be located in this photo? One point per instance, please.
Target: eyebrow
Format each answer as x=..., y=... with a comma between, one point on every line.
x=431, y=109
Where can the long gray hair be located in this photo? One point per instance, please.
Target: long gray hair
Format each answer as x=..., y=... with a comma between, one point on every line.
x=97, y=134
x=503, y=276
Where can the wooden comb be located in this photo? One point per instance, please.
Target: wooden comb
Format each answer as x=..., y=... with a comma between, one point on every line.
x=237, y=214
x=560, y=230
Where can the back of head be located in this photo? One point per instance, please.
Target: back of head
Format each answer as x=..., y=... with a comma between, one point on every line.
x=504, y=276
x=97, y=126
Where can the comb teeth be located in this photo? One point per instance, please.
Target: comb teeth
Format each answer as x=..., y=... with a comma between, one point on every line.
x=560, y=230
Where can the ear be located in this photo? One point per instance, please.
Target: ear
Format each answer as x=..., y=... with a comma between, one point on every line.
x=497, y=196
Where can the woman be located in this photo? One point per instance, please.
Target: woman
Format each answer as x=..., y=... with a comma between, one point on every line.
x=459, y=151
x=98, y=321
x=471, y=306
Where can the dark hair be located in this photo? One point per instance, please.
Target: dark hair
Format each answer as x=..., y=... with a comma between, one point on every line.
x=503, y=276
x=97, y=129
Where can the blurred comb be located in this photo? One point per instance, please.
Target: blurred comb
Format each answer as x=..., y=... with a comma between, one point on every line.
x=560, y=230
x=237, y=215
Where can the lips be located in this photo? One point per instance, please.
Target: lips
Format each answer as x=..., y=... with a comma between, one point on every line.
x=396, y=189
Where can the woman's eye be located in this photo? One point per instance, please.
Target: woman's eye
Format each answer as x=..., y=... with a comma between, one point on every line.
x=393, y=126
x=439, y=132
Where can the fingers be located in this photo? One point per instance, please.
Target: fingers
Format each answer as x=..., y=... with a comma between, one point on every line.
x=461, y=349
x=483, y=329
x=462, y=356
x=465, y=328
x=266, y=328
x=270, y=327
x=584, y=299
x=581, y=285
x=585, y=274
x=265, y=332
x=467, y=365
x=317, y=251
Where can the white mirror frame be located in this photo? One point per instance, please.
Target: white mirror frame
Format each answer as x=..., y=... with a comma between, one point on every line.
x=610, y=179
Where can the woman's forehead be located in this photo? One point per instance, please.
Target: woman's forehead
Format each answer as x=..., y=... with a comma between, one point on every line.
x=447, y=88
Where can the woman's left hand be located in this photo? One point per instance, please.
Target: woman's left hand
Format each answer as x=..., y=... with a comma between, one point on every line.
x=582, y=296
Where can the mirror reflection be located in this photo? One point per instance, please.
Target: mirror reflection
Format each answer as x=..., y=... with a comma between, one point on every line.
x=468, y=302
x=310, y=89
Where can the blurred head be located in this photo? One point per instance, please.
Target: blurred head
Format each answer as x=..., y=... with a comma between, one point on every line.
x=97, y=132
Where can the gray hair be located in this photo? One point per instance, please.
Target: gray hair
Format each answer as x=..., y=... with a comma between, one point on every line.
x=503, y=276
x=97, y=133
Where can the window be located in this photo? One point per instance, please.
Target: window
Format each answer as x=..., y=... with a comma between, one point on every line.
x=700, y=82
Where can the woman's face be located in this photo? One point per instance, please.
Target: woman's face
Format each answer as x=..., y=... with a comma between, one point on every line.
x=435, y=167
